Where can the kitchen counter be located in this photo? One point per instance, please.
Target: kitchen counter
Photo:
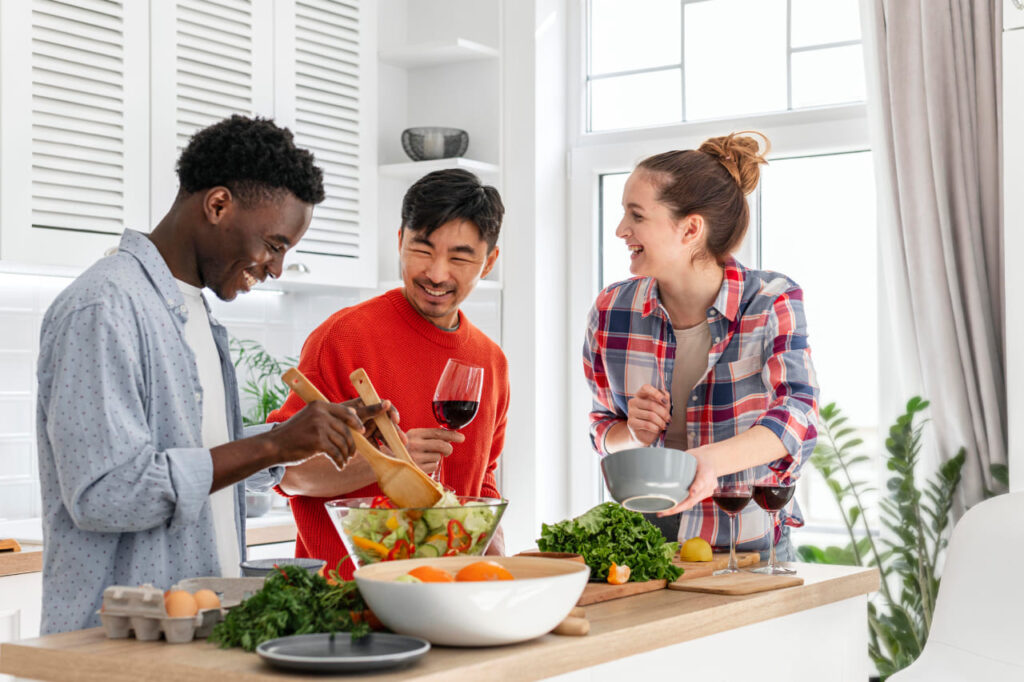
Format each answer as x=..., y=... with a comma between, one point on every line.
x=824, y=621
x=28, y=560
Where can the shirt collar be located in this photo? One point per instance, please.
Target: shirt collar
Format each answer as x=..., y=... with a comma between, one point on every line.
x=153, y=264
x=729, y=296
x=727, y=303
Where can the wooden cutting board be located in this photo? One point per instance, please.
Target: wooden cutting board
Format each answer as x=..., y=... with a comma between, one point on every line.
x=700, y=569
x=737, y=583
x=595, y=593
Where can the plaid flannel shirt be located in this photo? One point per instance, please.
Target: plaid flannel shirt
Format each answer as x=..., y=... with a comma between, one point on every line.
x=759, y=372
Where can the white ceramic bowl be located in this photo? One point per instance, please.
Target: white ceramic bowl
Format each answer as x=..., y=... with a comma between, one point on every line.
x=474, y=613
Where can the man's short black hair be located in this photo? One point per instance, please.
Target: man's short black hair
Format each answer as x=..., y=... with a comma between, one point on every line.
x=254, y=158
x=453, y=194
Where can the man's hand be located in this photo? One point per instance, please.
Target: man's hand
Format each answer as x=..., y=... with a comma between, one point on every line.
x=648, y=414
x=428, y=446
x=323, y=427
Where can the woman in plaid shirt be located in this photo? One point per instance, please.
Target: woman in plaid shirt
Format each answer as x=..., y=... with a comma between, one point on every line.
x=698, y=352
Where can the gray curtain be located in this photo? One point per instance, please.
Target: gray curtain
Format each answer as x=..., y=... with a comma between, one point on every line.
x=934, y=102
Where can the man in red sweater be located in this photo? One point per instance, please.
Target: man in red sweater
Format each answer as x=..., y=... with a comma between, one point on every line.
x=403, y=339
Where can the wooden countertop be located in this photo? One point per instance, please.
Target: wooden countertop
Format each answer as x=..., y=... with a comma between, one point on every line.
x=619, y=628
x=28, y=560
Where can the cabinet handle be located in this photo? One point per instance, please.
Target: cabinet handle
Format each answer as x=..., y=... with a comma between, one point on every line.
x=301, y=268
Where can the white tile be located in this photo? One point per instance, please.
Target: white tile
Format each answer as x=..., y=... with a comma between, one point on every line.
x=16, y=293
x=17, y=370
x=18, y=499
x=20, y=331
x=17, y=458
x=17, y=416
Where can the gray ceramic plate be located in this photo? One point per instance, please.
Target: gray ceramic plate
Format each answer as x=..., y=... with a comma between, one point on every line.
x=318, y=652
x=259, y=568
x=649, y=479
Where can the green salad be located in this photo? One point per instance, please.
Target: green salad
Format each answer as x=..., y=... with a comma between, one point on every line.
x=377, y=531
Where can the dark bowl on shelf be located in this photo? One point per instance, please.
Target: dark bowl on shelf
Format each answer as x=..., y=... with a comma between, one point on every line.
x=428, y=143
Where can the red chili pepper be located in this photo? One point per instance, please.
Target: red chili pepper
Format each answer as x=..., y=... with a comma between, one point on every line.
x=382, y=502
x=401, y=550
x=458, y=539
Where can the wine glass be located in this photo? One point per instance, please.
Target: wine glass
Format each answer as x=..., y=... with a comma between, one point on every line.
x=772, y=494
x=457, y=398
x=731, y=495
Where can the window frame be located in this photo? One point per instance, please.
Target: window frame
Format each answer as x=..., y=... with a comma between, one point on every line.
x=801, y=132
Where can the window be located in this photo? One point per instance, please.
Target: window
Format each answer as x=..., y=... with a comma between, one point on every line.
x=796, y=76
x=667, y=61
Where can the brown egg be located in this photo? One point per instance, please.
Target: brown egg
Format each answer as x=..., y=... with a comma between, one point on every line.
x=207, y=599
x=180, y=604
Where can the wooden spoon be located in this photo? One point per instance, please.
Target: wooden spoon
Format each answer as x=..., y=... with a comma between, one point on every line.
x=403, y=482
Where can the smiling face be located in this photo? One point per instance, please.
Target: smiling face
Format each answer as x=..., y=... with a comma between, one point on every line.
x=441, y=269
x=659, y=244
x=245, y=245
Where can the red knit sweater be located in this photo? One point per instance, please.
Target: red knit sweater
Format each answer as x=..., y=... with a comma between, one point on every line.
x=404, y=355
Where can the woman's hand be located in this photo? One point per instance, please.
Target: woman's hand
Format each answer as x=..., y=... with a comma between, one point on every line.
x=428, y=446
x=648, y=414
x=704, y=482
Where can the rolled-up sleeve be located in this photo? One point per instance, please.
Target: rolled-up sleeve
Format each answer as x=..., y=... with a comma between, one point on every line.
x=792, y=412
x=92, y=396
x=603, y=414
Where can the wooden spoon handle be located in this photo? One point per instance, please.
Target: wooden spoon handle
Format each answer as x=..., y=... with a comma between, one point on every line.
x=309, y=393
x=368, y=393
x=572, y=626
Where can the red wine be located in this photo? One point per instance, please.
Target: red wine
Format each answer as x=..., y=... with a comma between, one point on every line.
x=455, y=413
x=731, y=502
x=773, y=497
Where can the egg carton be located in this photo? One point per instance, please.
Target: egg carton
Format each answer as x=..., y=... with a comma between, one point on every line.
x=140, y=610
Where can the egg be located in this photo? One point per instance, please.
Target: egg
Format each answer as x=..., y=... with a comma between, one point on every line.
x=207, y=599
x=180, y=604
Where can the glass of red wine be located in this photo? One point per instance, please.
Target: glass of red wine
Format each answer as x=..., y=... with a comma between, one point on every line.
x=731, y=495
x=772, y=494
x=457, y=398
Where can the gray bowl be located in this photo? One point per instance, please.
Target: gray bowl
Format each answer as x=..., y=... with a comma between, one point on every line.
x=258, y=504
x=432, y=142
x=258, y=568
x=649, y=479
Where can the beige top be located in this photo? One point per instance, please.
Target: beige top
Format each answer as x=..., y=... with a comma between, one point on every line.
x=692, y=348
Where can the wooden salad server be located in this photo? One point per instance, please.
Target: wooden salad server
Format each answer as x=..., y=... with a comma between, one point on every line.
x=363, y=385
x=403, y=482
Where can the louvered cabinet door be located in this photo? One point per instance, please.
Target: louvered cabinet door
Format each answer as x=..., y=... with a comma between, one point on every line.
x=211, y=59
x=325, y=92
x=73, y=128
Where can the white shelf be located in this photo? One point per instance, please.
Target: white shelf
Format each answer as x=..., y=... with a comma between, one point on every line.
x=413, y=170
x=437, y=52
x=485, y=284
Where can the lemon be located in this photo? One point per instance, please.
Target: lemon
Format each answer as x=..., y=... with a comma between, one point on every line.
x=695, y=549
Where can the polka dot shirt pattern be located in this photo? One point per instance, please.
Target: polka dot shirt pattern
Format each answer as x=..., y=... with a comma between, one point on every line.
x=125, y=479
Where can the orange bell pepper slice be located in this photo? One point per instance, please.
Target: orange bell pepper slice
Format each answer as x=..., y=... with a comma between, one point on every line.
x=363, y=543
x=618, y=575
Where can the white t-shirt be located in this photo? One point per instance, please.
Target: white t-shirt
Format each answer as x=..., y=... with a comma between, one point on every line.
x=215, y=422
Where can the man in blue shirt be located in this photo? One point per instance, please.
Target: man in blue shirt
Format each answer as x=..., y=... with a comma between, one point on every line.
x=142, y=458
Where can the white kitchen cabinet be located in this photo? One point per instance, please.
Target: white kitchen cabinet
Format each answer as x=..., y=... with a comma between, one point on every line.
x=99, y=98
x=1013, y=245
x=1013, y=14
x=439, y=65
x=21, y=603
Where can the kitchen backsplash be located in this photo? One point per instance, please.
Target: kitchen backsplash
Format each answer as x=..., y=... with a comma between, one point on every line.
x=279, y=321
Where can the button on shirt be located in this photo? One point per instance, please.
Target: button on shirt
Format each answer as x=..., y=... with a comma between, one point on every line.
x=124, y=474
x=759, y=373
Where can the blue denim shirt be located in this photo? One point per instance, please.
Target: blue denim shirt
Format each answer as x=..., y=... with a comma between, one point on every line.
x=125, y=478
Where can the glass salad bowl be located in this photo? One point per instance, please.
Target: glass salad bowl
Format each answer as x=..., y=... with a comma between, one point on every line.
x=373, y=530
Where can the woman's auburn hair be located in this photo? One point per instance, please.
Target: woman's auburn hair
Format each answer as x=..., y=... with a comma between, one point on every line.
x=712, y=181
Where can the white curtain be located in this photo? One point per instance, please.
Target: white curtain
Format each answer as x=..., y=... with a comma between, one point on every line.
x=934, y=102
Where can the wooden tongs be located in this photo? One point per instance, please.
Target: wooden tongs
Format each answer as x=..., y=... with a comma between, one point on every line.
x=399, y=479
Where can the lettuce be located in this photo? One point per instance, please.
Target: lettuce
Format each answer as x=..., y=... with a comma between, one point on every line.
x=608, y=534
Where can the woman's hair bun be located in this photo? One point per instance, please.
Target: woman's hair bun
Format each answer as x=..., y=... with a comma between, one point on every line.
x=741, y=155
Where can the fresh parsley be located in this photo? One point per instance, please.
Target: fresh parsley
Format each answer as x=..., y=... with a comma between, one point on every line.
x=609, y=533
x=293, y=602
